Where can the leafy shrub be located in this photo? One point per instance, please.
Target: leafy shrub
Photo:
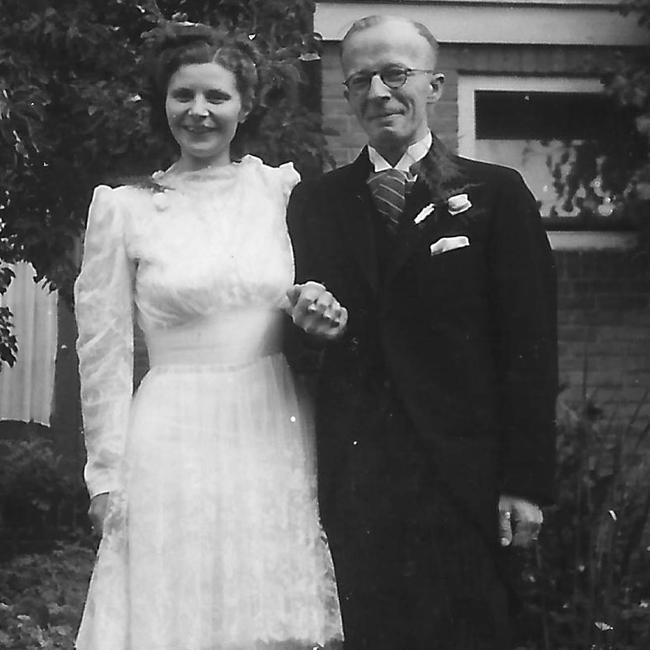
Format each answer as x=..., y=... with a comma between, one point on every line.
x=39, y=498
x=41, y=598
x=588, y=587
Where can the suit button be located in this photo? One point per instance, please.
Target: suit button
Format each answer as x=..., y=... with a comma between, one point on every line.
x=354, y=343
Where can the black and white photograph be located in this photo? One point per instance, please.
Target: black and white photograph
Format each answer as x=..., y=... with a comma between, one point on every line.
x=325, y=325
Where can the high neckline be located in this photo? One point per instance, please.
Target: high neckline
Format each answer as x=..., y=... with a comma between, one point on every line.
x=210, y=171
x=197, y=178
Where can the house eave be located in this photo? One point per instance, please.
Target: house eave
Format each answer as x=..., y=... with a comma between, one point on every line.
x=547, y=22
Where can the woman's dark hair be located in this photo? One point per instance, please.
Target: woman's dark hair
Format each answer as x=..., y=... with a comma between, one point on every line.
x=174, y=44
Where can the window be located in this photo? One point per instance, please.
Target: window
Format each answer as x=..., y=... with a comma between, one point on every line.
x=563, y=135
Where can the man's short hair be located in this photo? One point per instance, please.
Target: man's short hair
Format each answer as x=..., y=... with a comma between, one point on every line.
x=371, y=21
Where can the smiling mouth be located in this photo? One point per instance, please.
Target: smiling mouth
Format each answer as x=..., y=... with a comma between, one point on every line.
x=199, y=130
x=383, y=116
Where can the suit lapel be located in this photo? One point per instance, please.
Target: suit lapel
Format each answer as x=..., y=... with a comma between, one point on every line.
x=356, y=217
x=356, y=211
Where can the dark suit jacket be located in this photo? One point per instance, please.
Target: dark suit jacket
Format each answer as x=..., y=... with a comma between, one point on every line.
x=466, y=339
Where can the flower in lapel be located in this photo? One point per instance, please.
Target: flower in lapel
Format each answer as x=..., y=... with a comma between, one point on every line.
x=423, y=214
x=458, y=203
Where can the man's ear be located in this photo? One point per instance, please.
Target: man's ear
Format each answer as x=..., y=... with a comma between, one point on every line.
x=346, y=93
x=437, y=82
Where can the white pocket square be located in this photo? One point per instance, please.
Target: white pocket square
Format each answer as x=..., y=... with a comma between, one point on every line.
x=446, y=244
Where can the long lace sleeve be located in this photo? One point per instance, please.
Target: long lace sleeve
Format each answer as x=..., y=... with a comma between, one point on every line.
x=104, y=312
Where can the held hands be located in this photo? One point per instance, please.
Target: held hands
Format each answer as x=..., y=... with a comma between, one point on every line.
x=315, y=310
x=519, y=521
x=97, y=512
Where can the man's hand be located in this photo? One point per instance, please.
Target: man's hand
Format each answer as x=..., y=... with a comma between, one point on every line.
x=97, y=512
x=519, y=521
x=315, y=310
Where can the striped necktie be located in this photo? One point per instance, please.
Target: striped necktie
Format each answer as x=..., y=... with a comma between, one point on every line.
x=388, y=189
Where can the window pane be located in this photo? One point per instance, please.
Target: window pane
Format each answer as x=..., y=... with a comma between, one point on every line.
x=568, y=146
x=542, y=116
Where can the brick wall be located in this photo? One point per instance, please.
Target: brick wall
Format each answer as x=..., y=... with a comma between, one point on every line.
x=604, y=320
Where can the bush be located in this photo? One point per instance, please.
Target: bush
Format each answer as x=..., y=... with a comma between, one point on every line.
x=41, y=598
x=39, y=500
x=588, y=587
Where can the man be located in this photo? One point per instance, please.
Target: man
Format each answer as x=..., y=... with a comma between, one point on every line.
x=435, y=405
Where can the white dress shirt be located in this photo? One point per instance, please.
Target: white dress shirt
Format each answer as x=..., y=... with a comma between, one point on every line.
x=413, y=154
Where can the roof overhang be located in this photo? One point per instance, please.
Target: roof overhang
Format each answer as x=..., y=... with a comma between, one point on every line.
x=548, y=22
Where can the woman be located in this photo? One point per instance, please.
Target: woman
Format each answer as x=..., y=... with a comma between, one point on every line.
x=203, y=484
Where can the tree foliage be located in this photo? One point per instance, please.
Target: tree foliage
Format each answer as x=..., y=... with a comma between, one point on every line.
x=72, y=113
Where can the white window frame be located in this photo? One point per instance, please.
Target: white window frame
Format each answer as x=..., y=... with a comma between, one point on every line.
x=467, y=87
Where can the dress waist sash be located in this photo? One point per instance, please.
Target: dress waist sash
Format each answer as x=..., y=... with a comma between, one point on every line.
x=235, y=337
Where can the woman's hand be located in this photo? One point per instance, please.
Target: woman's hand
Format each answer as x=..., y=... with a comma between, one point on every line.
x=97, y=512
x=315, y=310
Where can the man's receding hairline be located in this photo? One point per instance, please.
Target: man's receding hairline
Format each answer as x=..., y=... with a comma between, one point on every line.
x=372, y=21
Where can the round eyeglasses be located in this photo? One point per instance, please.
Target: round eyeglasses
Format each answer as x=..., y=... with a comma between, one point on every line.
x=392, y=76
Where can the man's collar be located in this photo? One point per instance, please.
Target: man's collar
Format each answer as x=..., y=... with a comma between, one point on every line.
x=413, y=154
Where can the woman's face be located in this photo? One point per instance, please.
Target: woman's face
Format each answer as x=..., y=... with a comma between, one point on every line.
x=203, y=108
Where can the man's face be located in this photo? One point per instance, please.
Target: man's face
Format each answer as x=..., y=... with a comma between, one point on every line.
x=393, y=118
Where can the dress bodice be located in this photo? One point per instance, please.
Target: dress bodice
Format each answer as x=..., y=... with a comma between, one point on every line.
x=212, y=240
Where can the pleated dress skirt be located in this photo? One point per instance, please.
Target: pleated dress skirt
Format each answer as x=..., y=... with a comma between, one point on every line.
x=214, y=542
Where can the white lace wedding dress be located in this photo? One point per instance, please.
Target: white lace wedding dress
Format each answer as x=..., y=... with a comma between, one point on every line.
x=212, y=539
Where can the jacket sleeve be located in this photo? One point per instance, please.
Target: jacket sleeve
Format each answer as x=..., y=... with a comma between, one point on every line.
x=303, y=351
x=523, y=299
x=104, y=313
x=298, y=223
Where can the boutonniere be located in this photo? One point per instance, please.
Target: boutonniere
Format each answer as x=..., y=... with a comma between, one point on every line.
x=458, y=203
x=423, y=214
